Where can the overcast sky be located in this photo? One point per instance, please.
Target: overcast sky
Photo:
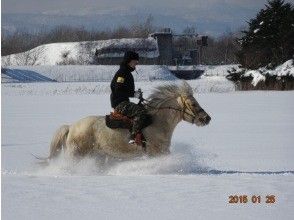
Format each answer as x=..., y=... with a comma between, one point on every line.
x=187, y=7
x=233, y=12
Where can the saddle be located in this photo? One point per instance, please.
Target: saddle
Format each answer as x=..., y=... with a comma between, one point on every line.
x=116, y=120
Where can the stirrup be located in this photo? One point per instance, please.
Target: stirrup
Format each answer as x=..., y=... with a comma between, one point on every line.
x=132, y=141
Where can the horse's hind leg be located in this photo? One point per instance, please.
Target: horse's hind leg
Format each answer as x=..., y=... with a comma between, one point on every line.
x=71, y=150
x=58, y=141
x=78, y=147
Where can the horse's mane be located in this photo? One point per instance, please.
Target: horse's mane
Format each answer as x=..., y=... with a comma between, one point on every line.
x=162, y=95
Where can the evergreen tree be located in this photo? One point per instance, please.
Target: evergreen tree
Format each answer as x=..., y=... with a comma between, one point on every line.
x=269, y=40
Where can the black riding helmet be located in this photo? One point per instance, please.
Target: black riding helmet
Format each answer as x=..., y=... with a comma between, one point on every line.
x=130, y=55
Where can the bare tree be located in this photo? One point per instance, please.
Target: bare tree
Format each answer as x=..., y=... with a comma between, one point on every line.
x=143, y=29
x=221, y=50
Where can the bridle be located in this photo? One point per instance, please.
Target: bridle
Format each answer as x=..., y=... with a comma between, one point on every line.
x=182, y=110
x=186, y=106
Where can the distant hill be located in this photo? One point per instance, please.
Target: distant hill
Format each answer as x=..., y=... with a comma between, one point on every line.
x=76, y=52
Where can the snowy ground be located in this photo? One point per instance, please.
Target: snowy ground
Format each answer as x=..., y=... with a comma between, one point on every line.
x=103, y=73
x=83, y=73
x=246, y=150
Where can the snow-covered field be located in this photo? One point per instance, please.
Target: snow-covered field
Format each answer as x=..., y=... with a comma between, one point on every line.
x=83, y=73
x=246, y=150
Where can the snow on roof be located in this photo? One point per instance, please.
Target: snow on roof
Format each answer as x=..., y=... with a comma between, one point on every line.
x=54, y=53
x=159, y=33
x=146, y=47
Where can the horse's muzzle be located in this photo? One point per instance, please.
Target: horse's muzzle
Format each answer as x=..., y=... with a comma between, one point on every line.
x=205, y=120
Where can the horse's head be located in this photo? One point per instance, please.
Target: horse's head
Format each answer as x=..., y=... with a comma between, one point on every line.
x=179, y=98
x=191, y=110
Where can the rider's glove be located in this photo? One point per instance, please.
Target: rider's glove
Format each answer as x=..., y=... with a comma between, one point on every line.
x=138, y=94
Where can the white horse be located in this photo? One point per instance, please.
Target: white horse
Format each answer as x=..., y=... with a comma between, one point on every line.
x=168, y=105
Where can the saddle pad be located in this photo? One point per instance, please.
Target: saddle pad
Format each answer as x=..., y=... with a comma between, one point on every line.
x=115, y=120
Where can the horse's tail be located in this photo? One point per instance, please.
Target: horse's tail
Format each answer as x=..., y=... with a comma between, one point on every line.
x=58, y=141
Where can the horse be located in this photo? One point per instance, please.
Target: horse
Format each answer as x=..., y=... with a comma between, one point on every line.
x=168, y=105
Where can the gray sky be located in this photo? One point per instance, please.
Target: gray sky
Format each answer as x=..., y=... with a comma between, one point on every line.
x=186, y=7
x=235, y=13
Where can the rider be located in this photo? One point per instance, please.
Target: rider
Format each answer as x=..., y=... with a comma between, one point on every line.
x=122, y=88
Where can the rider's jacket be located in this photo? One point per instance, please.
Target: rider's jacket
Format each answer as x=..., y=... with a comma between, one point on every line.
x=122, y=85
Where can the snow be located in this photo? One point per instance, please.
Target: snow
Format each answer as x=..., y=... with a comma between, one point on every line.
x=209, y=70
x=203, y=85
x=93, y=73
x=145, y=197
x=212, y=80
x=256, y=30
x=54, y=53
x=218, y=70
x=285, y=69
x=246, y=150
x=257, y=76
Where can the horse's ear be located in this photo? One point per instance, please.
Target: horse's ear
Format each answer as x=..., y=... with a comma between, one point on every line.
x=185, y=84
x=187, y=88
